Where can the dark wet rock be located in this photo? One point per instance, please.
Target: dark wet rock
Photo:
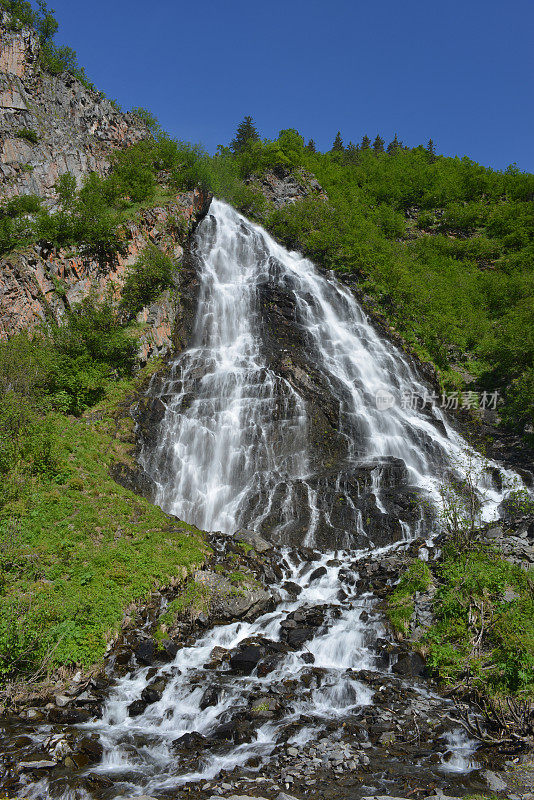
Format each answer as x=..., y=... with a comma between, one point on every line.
x=100, y=682
x=301, y=625
x=169, y=649
x=146, y=652
x=308, y=658
x=136, y=708
x=246, y=659
x=236, y=731
x=210, y=697
x=264, y=708
x=317, y=574
x=189, y=741
x=410, y=664
x=91, y=747
x=267, y=665
x=69, y=716
x=292, y=588
x=152, y=693
x=217, y=656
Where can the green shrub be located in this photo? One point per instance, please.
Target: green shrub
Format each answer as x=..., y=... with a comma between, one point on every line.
x=21, y=14
x=90, y=348
x=85, y=219
x=19, y=206
x=28, y=134
x=400, y=607
x=483, y=636
x=152, y=273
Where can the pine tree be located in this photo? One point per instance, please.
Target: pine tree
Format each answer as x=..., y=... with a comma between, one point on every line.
x=246, y=132
x=337, y=147
x=378, y=145
x=366, y=143
x=311, y=146
x=394, y=146
x=351, y=153
x=431, y=151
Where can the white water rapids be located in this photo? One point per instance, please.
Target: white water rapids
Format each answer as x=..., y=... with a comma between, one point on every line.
x=233, y=445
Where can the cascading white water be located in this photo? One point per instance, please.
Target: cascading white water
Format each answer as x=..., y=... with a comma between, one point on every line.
x=230, y=439
x=233, y=441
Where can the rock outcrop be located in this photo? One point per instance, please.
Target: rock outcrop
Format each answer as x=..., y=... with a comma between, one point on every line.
x=36, y=285
x=283, y=186
x=77, y=128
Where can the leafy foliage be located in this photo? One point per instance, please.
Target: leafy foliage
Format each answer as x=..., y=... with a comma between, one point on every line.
x=417, y=578
x=28, y=134
x=151, y=273
x=484, y=630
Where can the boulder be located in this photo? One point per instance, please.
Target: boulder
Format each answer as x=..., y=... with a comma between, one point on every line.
x=246, y=659
x=189, y=741
x=210, y=697
x=145, y=652
x=228, y=601
x=253, y=539
x=136, y=708
x=410, y=664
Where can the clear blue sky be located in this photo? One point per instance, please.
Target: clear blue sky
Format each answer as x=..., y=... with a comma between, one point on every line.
x=461, y=73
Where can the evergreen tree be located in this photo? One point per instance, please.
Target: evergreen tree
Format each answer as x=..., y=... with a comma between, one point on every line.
x=366, y=143
x=351, y=153
x=394, y=146
x=378, y=145
x=311, y=146
x=431, y=151
x=337, y=147
x=246, y=132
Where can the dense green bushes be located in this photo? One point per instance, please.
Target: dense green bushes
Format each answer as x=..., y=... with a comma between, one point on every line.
x=152, y=272
x=483, y=635
x=68, y=366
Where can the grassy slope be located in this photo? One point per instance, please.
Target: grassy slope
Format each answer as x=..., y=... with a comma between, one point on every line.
x=77, y=550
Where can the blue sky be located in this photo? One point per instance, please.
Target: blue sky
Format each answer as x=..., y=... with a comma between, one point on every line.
x=461, y=73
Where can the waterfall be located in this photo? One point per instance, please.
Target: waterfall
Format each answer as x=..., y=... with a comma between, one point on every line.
x=242, y=443
x=233, y=447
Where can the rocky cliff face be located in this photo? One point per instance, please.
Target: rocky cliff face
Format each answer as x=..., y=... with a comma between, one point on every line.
x=36, y=285
x=77, y=128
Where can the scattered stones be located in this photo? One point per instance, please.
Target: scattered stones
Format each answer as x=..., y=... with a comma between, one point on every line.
x=493, y=781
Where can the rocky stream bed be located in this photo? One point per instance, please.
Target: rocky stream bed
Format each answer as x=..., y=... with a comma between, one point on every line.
x=283, y=681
